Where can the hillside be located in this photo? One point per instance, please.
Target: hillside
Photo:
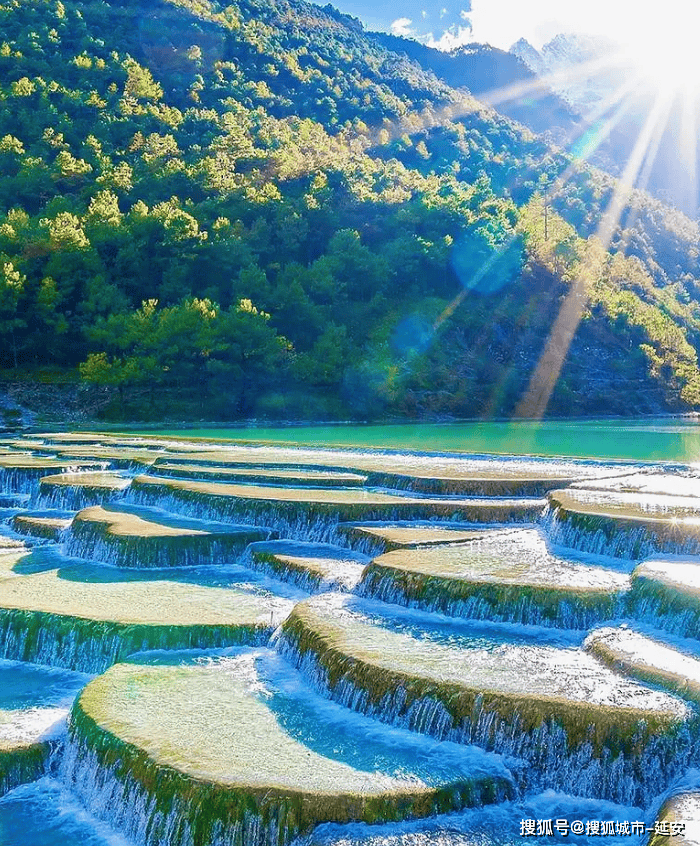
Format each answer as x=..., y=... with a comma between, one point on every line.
x=497, y=77
x=257, y=210
x=676, y=146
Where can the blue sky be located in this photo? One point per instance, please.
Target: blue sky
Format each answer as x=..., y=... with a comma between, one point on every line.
x=425, y=16
x=448, y=23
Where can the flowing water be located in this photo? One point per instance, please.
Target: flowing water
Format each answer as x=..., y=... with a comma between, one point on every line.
x=34, y=700
x=556, y=781
x=46, y=813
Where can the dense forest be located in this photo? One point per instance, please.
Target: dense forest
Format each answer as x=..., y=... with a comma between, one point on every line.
x=496, y=77
x=257, y=210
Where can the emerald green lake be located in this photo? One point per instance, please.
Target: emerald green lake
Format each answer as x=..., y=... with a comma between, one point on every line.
x=662, y=439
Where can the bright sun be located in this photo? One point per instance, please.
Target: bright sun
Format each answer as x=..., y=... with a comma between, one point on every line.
x=662, y=43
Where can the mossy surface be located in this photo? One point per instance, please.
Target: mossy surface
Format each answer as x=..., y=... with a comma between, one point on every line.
x=72, y=491
x=20, y=444
x=309, y=565
x=438, y=474
x=625, y=531
x=121, y=536
x=275, y=494
x=91, y=646
x=103, y=481
x=501, y=575
x=101, y=594
x=335, y=504
x=427, y=473
x=475, y=483
x=666, y=593
x=206, y=750
x=645, y=658
x=510, y=556
x=525, y=686
x=123, y=523
x=40, y=526
x=21, y=762
x=673, y=574
x=426, y=466
x=22, y=473
x=86, y=618
x=629, y=505
x=210, y=763
x=394, y=536
x=124, y=457
x=270, y=475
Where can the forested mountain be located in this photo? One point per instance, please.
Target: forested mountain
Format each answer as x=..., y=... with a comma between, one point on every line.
x=498, y=77
x=256, y=209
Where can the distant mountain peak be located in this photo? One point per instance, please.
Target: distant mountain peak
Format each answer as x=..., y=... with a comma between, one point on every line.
x=528, y=55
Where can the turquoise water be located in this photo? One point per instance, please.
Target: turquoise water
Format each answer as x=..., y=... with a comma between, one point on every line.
x=29, y=686
x=661, y=439
x=343, y=735
x=44, y=813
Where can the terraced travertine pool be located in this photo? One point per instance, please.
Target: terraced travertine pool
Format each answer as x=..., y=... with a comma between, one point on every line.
x=221, y=644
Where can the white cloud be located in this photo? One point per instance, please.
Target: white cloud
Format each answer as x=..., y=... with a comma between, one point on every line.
x=501, y=22
x=455, y=36
x=402, y=26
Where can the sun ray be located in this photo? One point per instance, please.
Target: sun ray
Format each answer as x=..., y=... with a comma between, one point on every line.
x=602, y=120
x=688, y=150
x=625, y=184
x=642, y=180
x=598, y=125
x=546, y=374
x=571, y=314
x=546, y=84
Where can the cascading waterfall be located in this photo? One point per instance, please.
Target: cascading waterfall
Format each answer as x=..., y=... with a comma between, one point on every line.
x=664, y=606
x=23, y=765
x=654, y=610
x=319, y=529
x=536, y=606
x=553, y=763
x=27, y=480
x=301, y=579
x=153, y=814
x=313, y=568
x=618, y=537
x=365, y=545
x=159, y=807
x=168, y=806
x=72, y=497
x=309, y=522
x=31, y=529
x=142, y=553
x=13, y=481
x=169, y=814
x=460, y=487
x=91, y=646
